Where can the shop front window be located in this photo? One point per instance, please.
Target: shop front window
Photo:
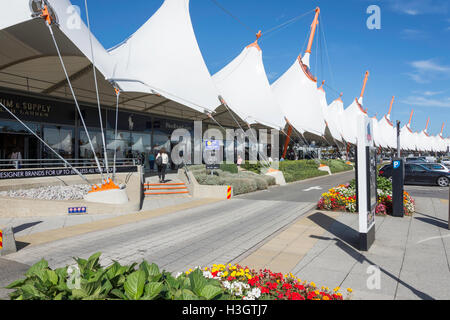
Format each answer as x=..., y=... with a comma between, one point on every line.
x=121, y=144
x=141, y=147
x=85, y=146
x=60, y=139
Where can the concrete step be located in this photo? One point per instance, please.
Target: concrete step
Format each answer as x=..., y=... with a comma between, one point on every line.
x=155, y=189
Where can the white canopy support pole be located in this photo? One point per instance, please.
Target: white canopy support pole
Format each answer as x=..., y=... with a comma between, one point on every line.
x=75, y=98
x=45, y=143
x=115, y=133
x=96, y=91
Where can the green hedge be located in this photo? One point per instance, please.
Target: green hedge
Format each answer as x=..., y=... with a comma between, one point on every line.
x=337, y=165
x=300, y=170
x=232, y=168
x=242, y=182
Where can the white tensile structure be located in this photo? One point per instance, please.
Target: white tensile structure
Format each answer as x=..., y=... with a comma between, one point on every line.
x=330, y=113
x=334, y=118
x=27, y=49
x=163, y=58
x=407, y=138
x=377, y=134
x=244, y=86
x=388, y=130
x=352, y=114
x=296, y=93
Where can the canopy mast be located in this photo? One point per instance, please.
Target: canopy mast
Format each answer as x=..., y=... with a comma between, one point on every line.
x=410, y=118
x=390, y=107
x=442, y=129
x=426, y=127
x=366, y=77
x=311, y=37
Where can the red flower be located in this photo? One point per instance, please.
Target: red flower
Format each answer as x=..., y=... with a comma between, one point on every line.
x=264, y=290
x=286, y=286
x=299, y=287
x=296, y=296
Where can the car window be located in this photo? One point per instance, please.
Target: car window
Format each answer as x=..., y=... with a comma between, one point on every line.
x=416, y=168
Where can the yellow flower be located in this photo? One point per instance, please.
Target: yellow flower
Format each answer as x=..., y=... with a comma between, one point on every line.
x=350, y=290
x=325, y=298
x=337, y=289
x=225, y=274
x=233, y=274
x=313, y=284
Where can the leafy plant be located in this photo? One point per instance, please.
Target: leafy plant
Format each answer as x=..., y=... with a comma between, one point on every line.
x=88, y=280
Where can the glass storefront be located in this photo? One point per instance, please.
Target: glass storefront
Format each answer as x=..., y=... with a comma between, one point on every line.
x=58, y=124
x=60, y=139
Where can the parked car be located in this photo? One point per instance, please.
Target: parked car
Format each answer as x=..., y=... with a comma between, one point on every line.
x=445, y=161
x=416, y=159
x=436, y=166
x=417, y=173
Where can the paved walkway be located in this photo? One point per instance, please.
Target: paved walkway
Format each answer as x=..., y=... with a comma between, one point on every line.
x=412, y=253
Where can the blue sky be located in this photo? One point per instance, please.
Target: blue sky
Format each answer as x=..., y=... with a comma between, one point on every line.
x=408, y=57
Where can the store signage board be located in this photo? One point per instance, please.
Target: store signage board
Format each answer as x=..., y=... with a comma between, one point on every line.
x=367, y=182
x=212, y=145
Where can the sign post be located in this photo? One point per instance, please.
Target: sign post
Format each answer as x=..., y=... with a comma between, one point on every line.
x=212, y=147
x=366, y=183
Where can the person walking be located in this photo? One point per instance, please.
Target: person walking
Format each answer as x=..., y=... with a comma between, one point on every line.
x=162, y=159
x=151, y=160
x=239, y=161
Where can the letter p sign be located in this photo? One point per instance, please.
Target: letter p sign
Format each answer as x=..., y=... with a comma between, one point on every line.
x=374, y=20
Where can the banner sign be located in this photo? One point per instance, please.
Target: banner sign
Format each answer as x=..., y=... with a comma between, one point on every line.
x=212, y=145
x=58, y=172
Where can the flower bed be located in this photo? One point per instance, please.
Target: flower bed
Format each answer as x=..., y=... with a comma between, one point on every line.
x=343, y=198
x=248, y=284
x=88, y=280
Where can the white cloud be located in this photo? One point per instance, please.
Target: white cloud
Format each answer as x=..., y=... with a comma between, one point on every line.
x=427, y=102
x=417, y=7
x=413, y=34
x=432, y=93
x=429, y=65
x=427, y=70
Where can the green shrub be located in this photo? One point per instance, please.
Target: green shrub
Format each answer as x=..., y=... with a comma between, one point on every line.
x=300, y=170
x=115, y=282
x=242, y=185
x=383, y=184
x=337, y=165
x=253, y=167
x=232, y=168
x=271, y=181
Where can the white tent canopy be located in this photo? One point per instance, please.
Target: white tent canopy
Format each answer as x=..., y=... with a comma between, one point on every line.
x=388, y=132
x=334, y=117
x=163, y=58
x=296, y=93
x=351, y=115
x=328, y=113
x=244, y=86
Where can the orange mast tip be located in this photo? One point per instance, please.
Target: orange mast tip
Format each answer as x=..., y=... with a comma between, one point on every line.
x=392, y=102
x=313, y=30
x=258, y=35
x=366, y=77
x=410, y=117
x=428, y=122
